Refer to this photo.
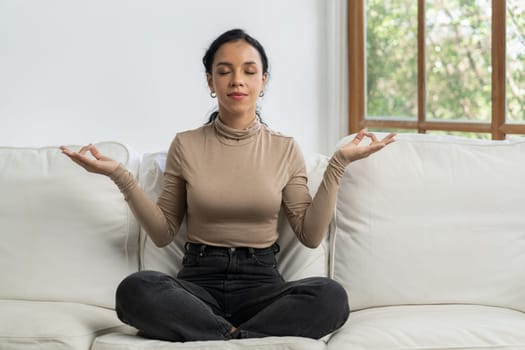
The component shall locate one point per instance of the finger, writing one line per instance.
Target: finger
(372, 136)
(100, 156)
(85, 161)
(77, 158)
(84, 149)
(94, 151)
(359, 137)
(389, 138)
(65, 150)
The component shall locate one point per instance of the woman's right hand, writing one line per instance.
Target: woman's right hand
(99, 165)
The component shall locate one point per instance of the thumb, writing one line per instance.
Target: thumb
(94, 151)
(99, 156)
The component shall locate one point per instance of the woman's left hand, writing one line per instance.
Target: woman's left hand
(352, 151)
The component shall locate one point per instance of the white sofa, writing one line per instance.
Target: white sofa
(428, 240)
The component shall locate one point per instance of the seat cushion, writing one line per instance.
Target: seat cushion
(295, 260)
(433, 220)
(34, 325)
(130, 342)
(66, 234)
(432, 327)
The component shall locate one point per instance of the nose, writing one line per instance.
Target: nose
(237, 80)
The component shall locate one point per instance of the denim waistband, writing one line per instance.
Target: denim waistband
(202, 249)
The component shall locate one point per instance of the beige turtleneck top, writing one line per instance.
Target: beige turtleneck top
(231, 185)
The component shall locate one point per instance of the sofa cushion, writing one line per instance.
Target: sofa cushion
(130, 342)
(433, 220)
(35, 325)
(66, 234)
(468, 327)
(295, 261)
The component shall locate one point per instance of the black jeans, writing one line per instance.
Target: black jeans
(218, 288)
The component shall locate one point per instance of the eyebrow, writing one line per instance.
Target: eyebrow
(231, 64)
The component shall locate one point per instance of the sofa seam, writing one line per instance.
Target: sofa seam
(463, 347)
(96, 333)
(281, 341)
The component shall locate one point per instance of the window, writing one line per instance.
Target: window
(453, 66)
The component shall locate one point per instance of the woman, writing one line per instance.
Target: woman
(230, 178)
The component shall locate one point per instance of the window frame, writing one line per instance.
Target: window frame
(357, 120)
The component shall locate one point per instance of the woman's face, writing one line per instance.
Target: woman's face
(237, 78)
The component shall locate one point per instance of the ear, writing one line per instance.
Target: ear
(264, 79)
(210, 81)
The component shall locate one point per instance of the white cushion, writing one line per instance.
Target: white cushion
(130, 342)
(167, 259)
(65, 234)
(33, 325)
(436, 327)
(433, 220)
(295, 261)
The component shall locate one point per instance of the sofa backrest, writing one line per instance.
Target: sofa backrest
(295, 260)
(433, 219)
(65, 234)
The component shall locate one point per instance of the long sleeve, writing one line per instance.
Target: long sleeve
(309, 217)
(161, 220)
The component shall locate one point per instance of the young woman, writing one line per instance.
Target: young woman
(230, 178)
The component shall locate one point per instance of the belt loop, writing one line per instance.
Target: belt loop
(202, 249)
(251, 251)
(186, 246)
(276, 248)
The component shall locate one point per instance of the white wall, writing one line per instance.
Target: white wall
(74, 72)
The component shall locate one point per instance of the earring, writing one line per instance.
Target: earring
(261, 94)
(213, 94)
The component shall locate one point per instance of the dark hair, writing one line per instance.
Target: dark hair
(228, 37)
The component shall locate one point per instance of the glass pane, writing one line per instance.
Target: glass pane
(458, 59)
(515, 61)
(391, 58)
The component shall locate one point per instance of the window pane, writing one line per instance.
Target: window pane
(391, 58)
(515, 61)
(458, 59)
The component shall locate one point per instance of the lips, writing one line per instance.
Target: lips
(237, 95)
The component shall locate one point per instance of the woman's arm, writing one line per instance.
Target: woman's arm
(309, 217)
(162, 219)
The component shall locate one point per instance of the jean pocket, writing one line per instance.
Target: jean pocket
(264, 260)
(190, 260)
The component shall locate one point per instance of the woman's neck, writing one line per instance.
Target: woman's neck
(239, 122)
